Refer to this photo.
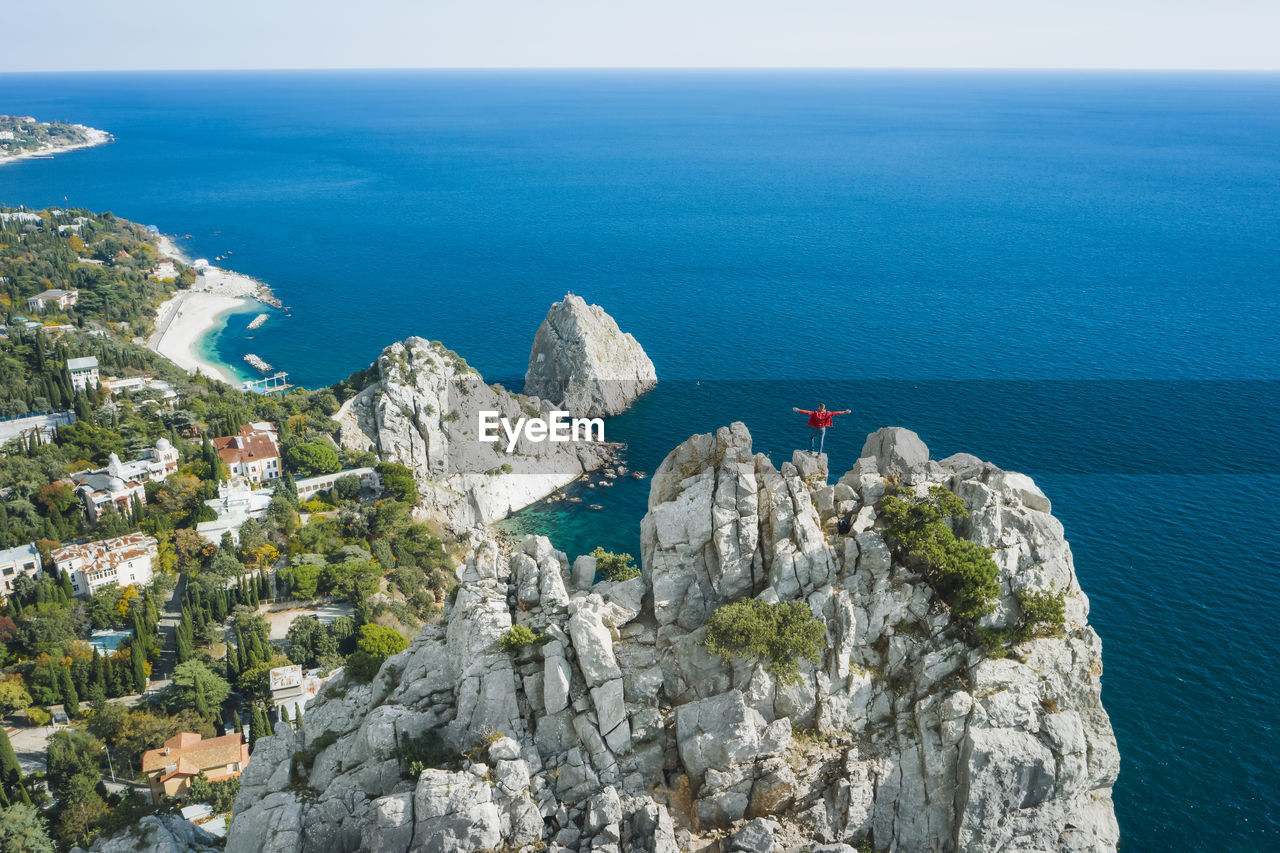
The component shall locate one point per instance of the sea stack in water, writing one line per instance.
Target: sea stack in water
(582, 362)
(620, 730)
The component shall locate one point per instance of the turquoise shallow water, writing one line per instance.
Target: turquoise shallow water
(1073, 275)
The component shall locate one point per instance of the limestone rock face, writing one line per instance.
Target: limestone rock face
(582, 362)
(619, 731)
(158, 834)
(423, 411)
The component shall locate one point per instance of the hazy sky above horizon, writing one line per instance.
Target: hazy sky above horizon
(78, 35)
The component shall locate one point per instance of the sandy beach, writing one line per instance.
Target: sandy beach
(182, 323)
(184, 320)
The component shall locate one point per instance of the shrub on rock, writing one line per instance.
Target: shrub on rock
(615, 567)
(517, 637)
(779, 634)
(376, 644)
(961, 572)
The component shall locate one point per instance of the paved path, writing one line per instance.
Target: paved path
(170, 616)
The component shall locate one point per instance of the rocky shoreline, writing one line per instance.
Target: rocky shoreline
(94, 137)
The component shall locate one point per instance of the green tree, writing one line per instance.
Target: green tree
(376, 644)
(312, 458)
(22, 830)
(13, 696)
(70, 698)
(138, 664)
(779, 634)
(195, 685)
(615, 567)
(71, 753)
(11, 788)
(960, 571)
(309, 642)
(399, 481)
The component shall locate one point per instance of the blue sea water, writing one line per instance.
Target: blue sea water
(1073, 275)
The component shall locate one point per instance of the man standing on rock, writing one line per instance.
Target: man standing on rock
(819, 420)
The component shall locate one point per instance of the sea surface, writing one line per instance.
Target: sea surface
(1072, 275)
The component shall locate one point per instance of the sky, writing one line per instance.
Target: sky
(82, 35)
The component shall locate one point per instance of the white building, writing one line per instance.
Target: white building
(84, 372)
(236, 503)
(309, 486)
(15, 562)
(123, 561)
(293, 688)
(164, 271)
(120, 483)
(253, 454)
(56, 298)
(114, 385)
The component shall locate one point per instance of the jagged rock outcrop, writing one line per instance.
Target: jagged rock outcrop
(582, 362)
(423, 411)
(158, 834)
(620, 731)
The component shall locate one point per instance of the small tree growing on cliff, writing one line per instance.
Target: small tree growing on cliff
(615, 567)
(961, 572)
(779, 634)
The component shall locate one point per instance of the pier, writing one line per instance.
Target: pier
(277, 382)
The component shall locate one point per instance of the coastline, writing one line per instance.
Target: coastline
(96, 138)
(188, 321)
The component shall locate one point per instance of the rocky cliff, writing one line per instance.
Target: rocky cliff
(582, 362)
(423, 411)
(621, 731)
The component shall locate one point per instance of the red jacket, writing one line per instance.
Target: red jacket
(821, 418)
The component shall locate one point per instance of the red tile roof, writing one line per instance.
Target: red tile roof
(189, 754)
(248, 446)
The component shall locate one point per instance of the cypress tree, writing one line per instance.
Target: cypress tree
(137, 658)
(257, 726)
(11, 773)
(70, 698)
(184, 638)
(202, 701)
(284, 714)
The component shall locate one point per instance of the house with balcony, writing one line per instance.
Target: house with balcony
(16, 562)
(253, 454)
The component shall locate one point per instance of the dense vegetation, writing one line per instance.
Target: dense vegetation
(780, 635)
(348, 545)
